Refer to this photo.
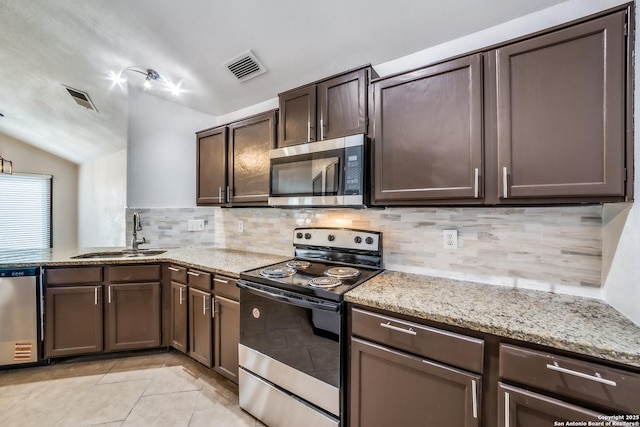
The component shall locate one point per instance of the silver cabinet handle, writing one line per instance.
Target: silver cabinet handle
(109, 294)
(476, 179)
(506, 409)
(213, 304)
(505, 183)
(215, 279)
(204, 305)
(95, 296)
(173, 269)
(180, 297)
(474, 397)
(191, 273)
(597, 377)
(388, 325)
(309, 131)
(321, 129)
(228, 194)
(219, 194)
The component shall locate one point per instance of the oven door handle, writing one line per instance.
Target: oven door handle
(297, 301)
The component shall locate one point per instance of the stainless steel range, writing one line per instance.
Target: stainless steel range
(292, 350)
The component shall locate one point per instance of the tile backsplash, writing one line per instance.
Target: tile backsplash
(549, 248)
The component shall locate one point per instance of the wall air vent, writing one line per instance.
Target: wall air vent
(81, 98)
(245, 66)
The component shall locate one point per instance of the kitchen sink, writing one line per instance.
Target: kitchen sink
(120, 254)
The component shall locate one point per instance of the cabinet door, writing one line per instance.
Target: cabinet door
(200, 327)
(73, 321)
(521, 408)
(342, 105)
(249, 144)
(560, 112)
(179, 315)
(297, 117)
(211, 167)
(227, 337)
(391, 388)
(133, 316)
(428, 134)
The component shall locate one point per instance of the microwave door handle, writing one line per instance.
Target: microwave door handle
(290, 300)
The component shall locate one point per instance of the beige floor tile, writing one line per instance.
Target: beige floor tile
(130, 375)
(211, 396)
(174, 379)
(105, 403)
(171, 410)
(222, 416)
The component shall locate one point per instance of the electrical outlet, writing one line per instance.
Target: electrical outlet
(240, 226)
(196, 225)
(450, 239)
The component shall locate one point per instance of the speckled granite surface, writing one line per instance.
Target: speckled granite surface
(565, 322)
(223, 261)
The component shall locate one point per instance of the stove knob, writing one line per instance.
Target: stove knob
(298, 235)
(368, 240)
(331, 237)
(358, 239)
(307, 236)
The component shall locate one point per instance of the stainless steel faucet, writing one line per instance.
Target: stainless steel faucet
(136, 227)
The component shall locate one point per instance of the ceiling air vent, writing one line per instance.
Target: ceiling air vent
(246, 66)
(81, 98)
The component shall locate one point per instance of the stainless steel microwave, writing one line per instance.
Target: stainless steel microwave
(323, 173)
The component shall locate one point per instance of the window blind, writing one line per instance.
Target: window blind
(25, 211)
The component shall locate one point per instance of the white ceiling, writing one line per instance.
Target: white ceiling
(45, 44)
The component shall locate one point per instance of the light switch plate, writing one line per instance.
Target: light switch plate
(196, 225)
(450, 239)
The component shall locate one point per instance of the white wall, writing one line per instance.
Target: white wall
(28, 159)
(162, 152)
(101, 205)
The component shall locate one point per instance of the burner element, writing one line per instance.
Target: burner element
(298, 264)
(342, 272)
(325, 282)
(277, 272)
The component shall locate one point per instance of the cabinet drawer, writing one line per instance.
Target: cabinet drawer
(448, 347)
(76, 275)
(226, 287)
(199, 280)
(134, 273)
(178, 274)
(591, 382)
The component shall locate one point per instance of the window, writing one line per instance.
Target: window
(25, 211)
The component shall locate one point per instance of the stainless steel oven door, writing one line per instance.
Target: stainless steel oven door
(292, 341)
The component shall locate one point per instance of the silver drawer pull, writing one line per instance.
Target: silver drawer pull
(173, 269)
(95, 296)
(474, 397)
(388, 325)
(476, 190)
(193, 274)
(597, 377)
(506, 409)
(215, 279)
(505, 183)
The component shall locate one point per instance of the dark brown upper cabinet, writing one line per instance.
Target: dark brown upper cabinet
(233, 162)
(211, 167)
(427, 134)
(327, 109)
(560, 114)
(249, 143)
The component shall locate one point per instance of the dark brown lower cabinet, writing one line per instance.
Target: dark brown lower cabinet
(200, 326)
(227, 336)
(393, 388)
(179, 316)
(522, 408)
(73, 320)
(132, 316)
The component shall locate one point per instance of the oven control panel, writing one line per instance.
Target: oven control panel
(338, 238)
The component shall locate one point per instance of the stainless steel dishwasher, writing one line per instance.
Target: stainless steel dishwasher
(19, 315)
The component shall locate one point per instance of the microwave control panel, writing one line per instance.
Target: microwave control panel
(354, 173)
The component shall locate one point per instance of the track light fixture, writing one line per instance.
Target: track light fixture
(151, 75)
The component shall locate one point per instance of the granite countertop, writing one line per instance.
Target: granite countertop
(581, 325)
(214, 260)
